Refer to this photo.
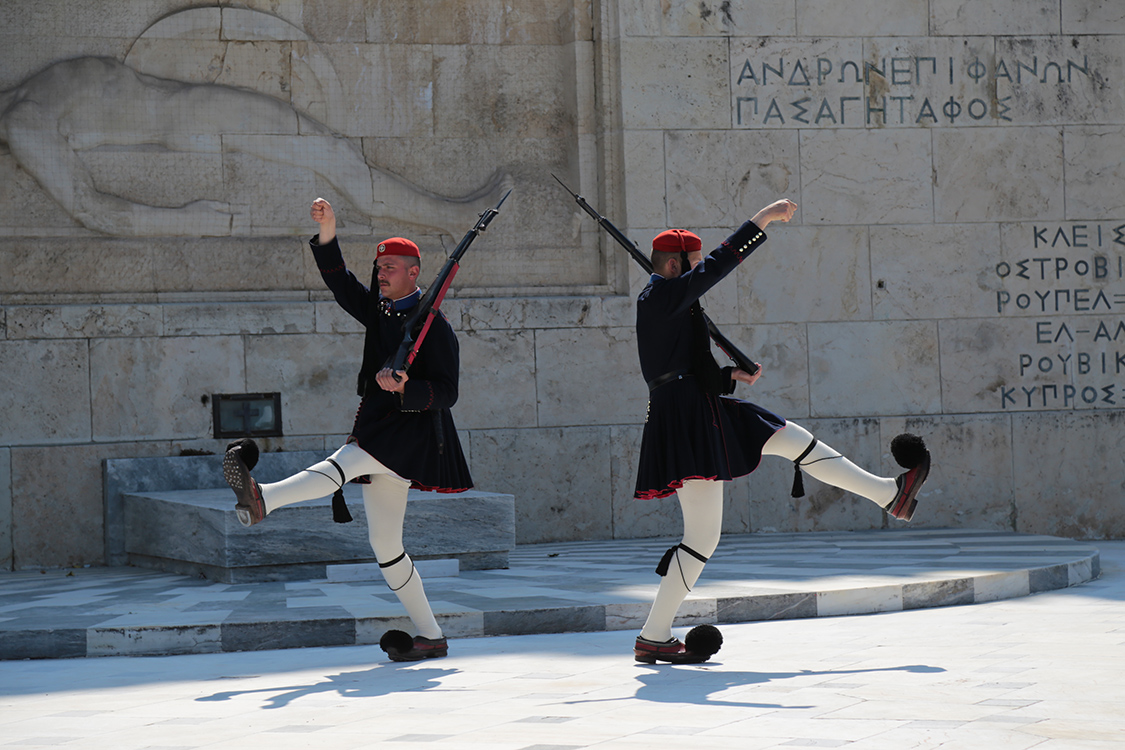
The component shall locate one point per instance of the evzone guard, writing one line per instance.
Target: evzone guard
(696, 437)
(403, 435)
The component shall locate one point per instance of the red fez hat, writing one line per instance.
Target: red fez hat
(398, 246)
(677, 241)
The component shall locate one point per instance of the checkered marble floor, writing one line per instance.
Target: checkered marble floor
(551, 588)
(1041, 671)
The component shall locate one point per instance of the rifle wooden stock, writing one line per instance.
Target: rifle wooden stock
(430, 303)
(740, 360)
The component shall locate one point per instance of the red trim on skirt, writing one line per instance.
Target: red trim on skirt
(670, 489)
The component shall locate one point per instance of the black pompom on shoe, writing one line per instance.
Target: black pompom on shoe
(396, 640)
(248, 450)
(909, 450)
(911, 454)
(701, 643)
(704, 640)
(401, 647)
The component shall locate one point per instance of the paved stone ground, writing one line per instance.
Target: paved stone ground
(1041, 671)
(555, 588)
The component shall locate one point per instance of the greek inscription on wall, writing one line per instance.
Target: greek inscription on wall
(922, 82)
(1069, 283)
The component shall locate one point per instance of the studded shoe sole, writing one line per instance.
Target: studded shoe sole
(249, 507)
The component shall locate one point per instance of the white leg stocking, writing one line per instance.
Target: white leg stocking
(322, 479)
(701, 502)
(384, 500)
(829, 466)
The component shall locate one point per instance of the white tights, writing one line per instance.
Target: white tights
(701, 503)
(828, 466)
(384, 501)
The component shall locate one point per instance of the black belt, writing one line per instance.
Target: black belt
(667, 377)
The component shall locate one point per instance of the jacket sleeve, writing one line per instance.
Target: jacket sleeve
(717, 265)
(437, 367)
(350, 293)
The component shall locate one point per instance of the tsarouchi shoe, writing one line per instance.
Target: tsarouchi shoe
(911, 454)
(702, 643)
(401, 647)
(250, 507)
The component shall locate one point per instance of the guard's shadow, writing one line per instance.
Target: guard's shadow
(383, 679)
(696, 683)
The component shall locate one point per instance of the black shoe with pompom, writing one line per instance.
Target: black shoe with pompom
(701, 643)
(240, 458)
(911, 454)
(401, 647)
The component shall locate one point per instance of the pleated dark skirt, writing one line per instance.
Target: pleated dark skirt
(691, 435)
(407, 444)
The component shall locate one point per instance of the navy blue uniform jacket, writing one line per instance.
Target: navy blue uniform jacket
(690, 433)
(413, 436)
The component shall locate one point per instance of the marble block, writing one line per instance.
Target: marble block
(694, 18)
(867, 176)
(831, 261)
(662, 83)
(153, 387)
(873, 368)
(645, 191)
(197, 531)
(973, 174)
(722, 177)
(1095, 185)
(5, 509)
(1060, 80)
(46, 395)
(82, 321)
(1092, 17)
(861, 18)
(994, 16)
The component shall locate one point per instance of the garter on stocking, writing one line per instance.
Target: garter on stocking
(701, 502)
(828, 466)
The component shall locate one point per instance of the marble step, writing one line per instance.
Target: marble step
(196, 532)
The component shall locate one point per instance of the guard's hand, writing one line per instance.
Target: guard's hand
(322, 213)
(781, 210)
(392, 380)
(744, 377)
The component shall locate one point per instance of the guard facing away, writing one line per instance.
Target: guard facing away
(403, 435)
(696, 436)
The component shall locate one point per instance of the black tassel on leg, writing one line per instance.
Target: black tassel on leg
(798, 481)
(665, 561)
(340, 513)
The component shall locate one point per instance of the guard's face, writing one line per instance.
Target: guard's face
(396, 278)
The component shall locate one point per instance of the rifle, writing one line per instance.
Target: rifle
(741, 361)
(428, 306)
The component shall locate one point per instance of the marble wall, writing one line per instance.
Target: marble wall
(955, 268)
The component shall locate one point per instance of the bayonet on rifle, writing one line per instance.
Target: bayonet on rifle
(741, 361)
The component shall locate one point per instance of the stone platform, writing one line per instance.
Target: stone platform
(177, 514)
(198, 533)
(548, 588)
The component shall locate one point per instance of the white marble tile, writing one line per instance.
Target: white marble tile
(859, 601)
